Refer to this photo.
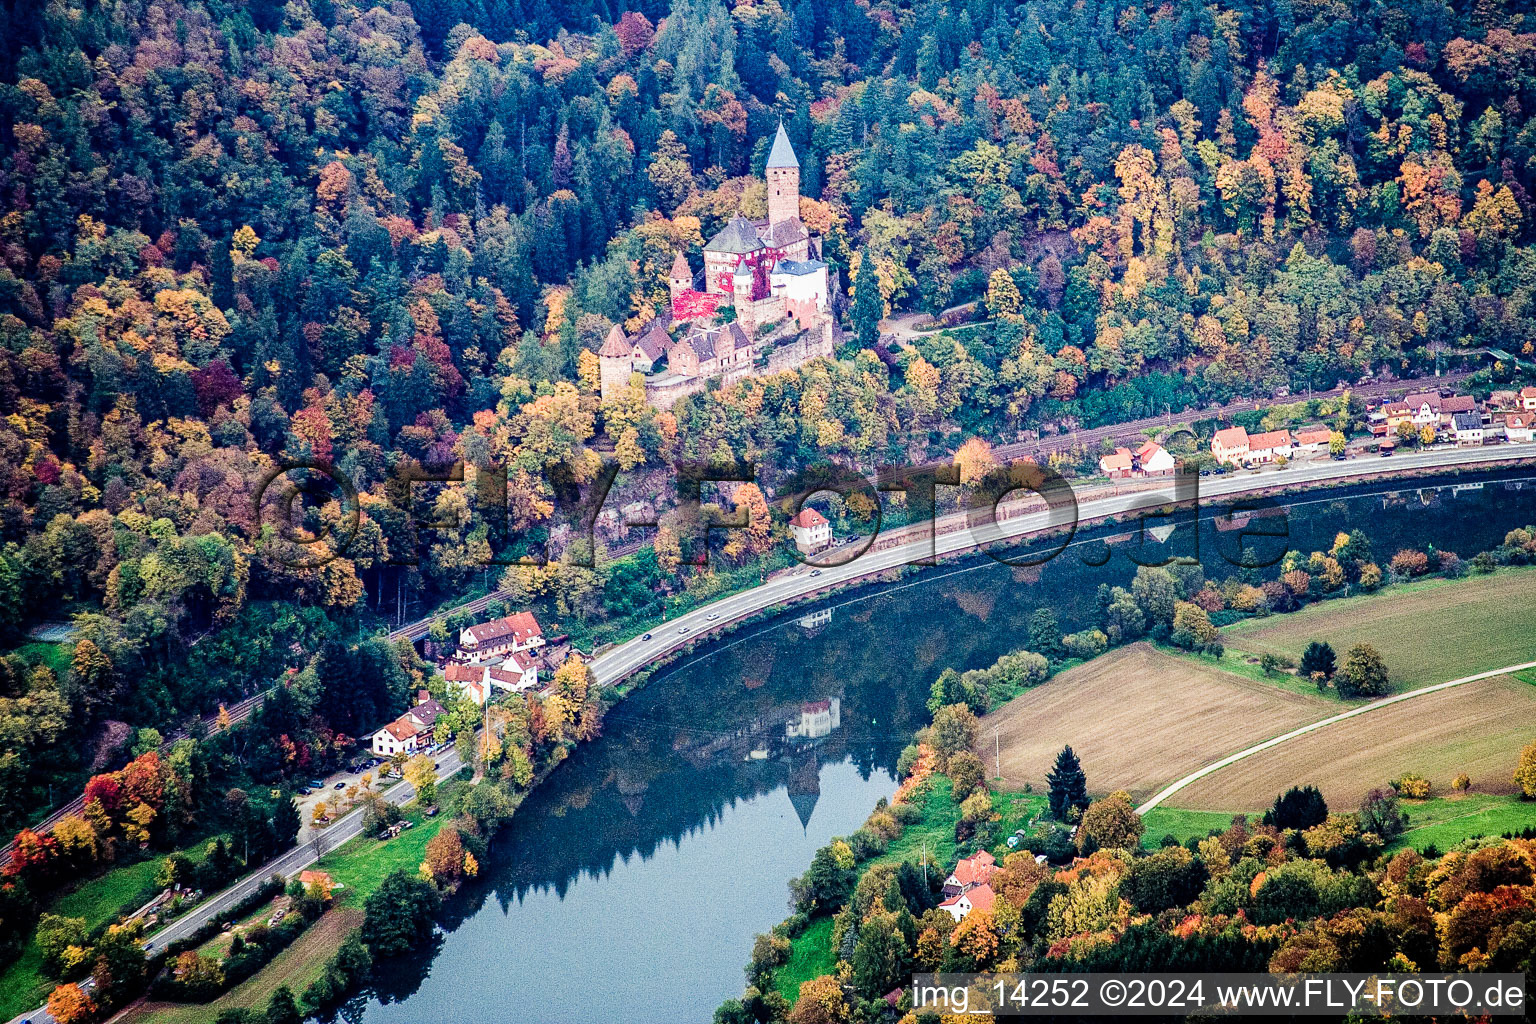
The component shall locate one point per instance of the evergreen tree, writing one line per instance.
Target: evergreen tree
(1318, 658)
(868, 308)
(1298, 807)
(1068, 785)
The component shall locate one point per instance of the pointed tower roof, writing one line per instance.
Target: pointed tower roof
(617, 345)
(680, 267)
(742, 270)
(782, 154)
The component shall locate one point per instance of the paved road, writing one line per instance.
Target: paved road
(615, 663)
(1092, 437)
(289, 864)
(1363, 709)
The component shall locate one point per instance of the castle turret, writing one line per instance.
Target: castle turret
(783, 174)
(681, 278)
(614, 364)
(741, 290)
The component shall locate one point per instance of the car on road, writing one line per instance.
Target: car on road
(434, 766)
(682, 629)
(646, 637)
(815, 572)
(713, 616)
(340, 785)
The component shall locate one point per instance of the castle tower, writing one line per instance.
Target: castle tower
(783, 174)
(741, 289)
(614, 364)
(681, 278)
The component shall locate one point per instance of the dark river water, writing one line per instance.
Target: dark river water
(629, 887)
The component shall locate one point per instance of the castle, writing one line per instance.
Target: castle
(765, 273)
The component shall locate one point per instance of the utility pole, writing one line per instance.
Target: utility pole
(997, 751)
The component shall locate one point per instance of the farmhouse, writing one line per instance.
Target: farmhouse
(520, 632)
(970, 872)
(811, 530)
(1117, 464)
(1230, 446)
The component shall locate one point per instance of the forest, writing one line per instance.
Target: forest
(384, 238)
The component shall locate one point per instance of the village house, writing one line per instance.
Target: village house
(979, 898)
(516, 673)
(1313, 439)
(1468, 428)
(1151, 459)
(970, 872)
(811, 530)
(1396, 412)
(1424, 407)
(520, 632)
(1528, 399)
(1230, 446)
(1117, 464)
(469, 679)
(1518, 427)
(1269, 446)
(410, 732)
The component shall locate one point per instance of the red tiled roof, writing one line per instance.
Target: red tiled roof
(1518, 420)
(1232, 437)
(463, 673)
(402, 729)
(1148, 450)
(1272, 439)
(975, 870)
(1528, 392)
(1459, 403)
(1430, 398)
(1315, 435)
(1119, 459)
(808, 518)
(982, 897)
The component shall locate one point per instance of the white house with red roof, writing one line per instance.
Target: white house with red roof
(520, 632)
(979, 897)
(469, 679)
(1117, 464)
(517, 672)
(1269, 446)
(818, 718)
(410, 732)
(811, 530)
(1520, 427)
(1528, 399)
(1152, 459)
(970, 872)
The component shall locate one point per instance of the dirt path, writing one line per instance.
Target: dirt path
(1397, 698)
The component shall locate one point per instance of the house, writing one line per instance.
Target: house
(1313, 439)
(980, 897)
(1117, 464)
(970, 872)
(400, 736)
(1468, 428)
(1395, 413)
(517, 672)
(1528, 399)
(520, 632)
(470, 679)
(1520, 427)
(818, 718)
(1153, 460)
(410, 732)
(1456, 404)
(317, 883)
(1269, 446)
(1230, 446)
(1424, 407)
(811, 530)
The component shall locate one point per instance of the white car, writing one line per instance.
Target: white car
(712, 616)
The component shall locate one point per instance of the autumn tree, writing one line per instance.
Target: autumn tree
(1363, 674)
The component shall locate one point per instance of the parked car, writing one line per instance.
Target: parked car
(340, 785)
(315, 784)
(305, 791)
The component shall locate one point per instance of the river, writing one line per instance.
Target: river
(629, 887)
